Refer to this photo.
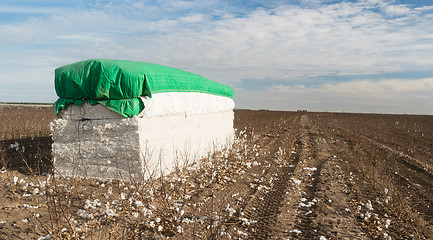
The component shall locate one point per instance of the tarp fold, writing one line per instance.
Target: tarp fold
(119, 84)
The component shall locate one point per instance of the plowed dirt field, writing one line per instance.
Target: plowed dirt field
(290, 175)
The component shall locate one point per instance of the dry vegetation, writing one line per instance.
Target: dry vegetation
(25, 137)
(19, 122)
(289, 175)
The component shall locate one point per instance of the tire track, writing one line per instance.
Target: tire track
(261, 212)
(249, 189)
(307, 209)
(322, 209)
(306, 226)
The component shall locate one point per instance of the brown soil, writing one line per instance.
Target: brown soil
(291, 175)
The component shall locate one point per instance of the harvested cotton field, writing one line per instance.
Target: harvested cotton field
(289, 175)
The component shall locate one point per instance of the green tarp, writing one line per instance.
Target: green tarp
(119, 84)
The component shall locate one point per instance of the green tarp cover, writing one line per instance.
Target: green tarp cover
(119, 84)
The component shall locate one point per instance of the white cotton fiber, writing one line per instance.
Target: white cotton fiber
(94, 142)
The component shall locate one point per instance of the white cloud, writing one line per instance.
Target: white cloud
(333, 38)
(288, 42)
(388, 96)
(397, 10)
(394, 87)
(194, 18)
(28, 10)
(424, 8)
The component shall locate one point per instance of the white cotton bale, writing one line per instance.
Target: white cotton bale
(174, 130)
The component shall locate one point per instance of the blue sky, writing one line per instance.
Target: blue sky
(320, 55)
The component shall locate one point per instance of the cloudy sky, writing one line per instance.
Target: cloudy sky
(319, 55)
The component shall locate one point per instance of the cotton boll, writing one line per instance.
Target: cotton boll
(369, 206)
(139, 203)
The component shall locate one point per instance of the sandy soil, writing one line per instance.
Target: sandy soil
(291, 175)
